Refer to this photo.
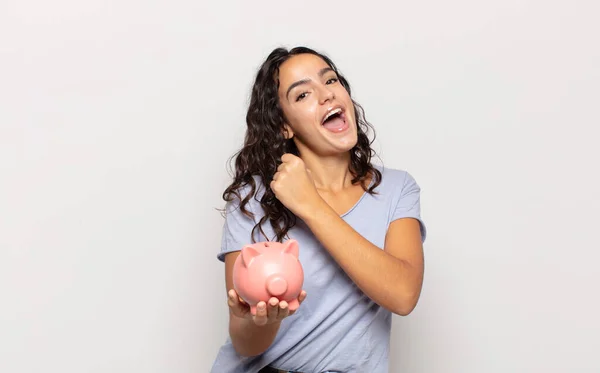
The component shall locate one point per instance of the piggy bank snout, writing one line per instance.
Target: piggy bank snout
(276, 285)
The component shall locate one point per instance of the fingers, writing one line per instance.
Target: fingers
(232, 298)
(289, 157)
(295, 304)
(288, 163)
(266, 312)
(283, 310)
(261, 314)
(237, 306)
(273, 310)
(280, 170)
(302, 296)
(275, 182)
(274, 186)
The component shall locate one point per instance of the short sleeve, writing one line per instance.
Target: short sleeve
(237, 228)
(409, 203)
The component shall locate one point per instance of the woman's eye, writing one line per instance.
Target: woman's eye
(301, 96)
(332, 80)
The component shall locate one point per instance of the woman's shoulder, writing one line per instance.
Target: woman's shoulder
(394, 177)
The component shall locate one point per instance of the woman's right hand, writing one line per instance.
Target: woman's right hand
(270, 313)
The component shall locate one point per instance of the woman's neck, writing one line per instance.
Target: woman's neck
(329, 173)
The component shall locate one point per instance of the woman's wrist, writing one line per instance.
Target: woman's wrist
(316, 210)
(250, 339)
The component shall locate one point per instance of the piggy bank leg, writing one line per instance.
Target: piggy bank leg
(293, 305)
(253, 310)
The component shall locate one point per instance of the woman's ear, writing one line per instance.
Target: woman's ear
(288, 133)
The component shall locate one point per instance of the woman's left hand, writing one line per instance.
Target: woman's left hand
(294, 186)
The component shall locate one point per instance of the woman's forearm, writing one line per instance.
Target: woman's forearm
(389, 281)
(250, 339)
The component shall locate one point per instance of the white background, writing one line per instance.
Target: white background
(117, 119)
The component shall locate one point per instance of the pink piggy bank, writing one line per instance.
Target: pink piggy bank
(269, 269)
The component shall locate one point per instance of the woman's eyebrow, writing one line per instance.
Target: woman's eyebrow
(294, 85)
(322, 72)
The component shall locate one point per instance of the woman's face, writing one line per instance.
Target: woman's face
(318, 109)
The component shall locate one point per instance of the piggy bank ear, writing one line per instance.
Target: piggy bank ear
(248, 253)
(291, 247)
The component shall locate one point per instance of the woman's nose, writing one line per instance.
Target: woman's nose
(326, 94)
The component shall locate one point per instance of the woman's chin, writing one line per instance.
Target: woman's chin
(346, 141)
(344, 144)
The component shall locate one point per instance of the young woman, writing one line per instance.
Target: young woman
(305, 173)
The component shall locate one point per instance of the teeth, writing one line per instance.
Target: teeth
(332, 112)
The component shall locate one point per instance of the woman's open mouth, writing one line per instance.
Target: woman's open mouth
(335, 121)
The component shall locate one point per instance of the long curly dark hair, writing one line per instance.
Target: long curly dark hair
(265, 144)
